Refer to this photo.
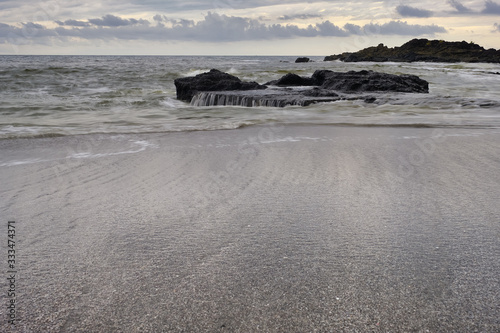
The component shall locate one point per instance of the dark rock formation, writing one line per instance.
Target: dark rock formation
(362, 81)
(291, 79)
(214, 80)
(369, 81)
(302, 59)
(217, 88)
(423, 50)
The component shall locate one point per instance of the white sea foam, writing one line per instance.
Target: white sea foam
(136, 146)
(21, 162)
(194, 72)
(96, 149)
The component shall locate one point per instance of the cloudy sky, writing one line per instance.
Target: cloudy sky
(233, 27)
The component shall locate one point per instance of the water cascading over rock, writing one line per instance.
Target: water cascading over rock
(269, 98)
(217, 88)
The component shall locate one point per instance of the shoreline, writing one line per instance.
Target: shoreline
(453, 125)
(263, 228)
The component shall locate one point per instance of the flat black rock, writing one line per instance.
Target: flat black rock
(214, 80)
(369, 81)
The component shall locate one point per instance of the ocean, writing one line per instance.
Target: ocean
(43, 96)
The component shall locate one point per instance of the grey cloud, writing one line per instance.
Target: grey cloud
(179, 6)
(458, 6)
(329, 29)
(74, 23)
(213, 28)
(8, 4)
(395, 28)
(353, 29)
(200, 5)
(299, 16)
(115, 21)
(407, 11)
(160, 19)
(491, 8)
(24, 34)
(105, 21)
(32, 26)
(403, 29)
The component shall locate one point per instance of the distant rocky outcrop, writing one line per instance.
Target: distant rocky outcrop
(302, 59)
(214, 80)
(422, 50)
(217, 88)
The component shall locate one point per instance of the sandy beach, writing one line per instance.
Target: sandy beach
(259, 229)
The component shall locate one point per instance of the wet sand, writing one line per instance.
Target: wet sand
(261, 229)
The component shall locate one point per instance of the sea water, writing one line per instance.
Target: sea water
(45, 96)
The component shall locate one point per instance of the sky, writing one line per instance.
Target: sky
(238, 27)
